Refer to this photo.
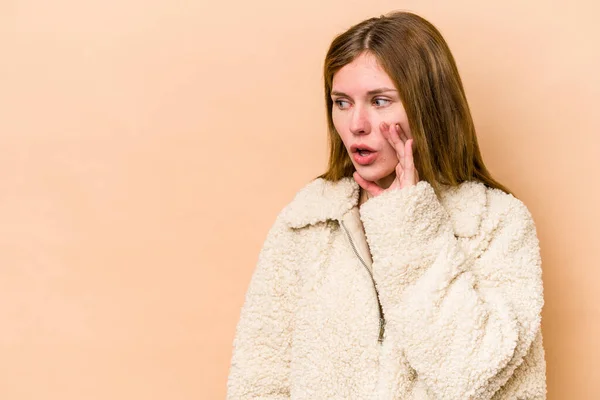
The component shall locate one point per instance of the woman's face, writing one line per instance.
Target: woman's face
(363, 97)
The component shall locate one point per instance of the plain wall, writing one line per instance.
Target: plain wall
(147, 146)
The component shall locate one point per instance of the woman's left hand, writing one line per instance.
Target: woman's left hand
(406, 173)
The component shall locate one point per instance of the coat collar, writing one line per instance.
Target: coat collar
(323, 200)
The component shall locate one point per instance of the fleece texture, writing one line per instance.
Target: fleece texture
(456, 277)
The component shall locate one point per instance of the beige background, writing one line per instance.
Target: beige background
(147, 146)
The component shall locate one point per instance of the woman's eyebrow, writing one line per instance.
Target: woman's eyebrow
(369, 93)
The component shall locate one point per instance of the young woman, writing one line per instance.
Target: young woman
(405, 271)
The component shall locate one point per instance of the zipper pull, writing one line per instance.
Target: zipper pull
(381, 329)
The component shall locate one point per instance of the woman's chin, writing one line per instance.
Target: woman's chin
(371, 176)
(375, 176)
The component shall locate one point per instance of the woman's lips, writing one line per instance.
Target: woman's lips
(357, 146)
(364, 157)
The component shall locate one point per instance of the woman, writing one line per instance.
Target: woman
(405, 271)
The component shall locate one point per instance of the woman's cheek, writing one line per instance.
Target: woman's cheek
(337, 124)
(405, 127)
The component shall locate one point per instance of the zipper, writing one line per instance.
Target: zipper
(381, 319)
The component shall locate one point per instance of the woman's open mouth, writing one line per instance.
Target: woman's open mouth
(364, 156)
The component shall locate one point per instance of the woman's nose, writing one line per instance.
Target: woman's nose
(360, 124)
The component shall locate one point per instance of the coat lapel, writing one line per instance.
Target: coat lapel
(322, 200)
(353, 223)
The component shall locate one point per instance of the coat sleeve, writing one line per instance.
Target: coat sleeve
(261, 347)
(463, 323)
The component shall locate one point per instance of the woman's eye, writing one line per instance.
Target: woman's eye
(386, 102)
(339, 103)
(343, 104)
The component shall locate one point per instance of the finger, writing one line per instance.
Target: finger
(371, 187)
(384, 127)
(401, 133)
(400, 170)
(409, 164)
(392, 136)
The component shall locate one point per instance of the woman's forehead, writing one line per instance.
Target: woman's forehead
(362, 75)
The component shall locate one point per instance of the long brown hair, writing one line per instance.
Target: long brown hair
(417, 58)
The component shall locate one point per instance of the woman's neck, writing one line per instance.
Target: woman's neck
(382, 183)
(363, 196)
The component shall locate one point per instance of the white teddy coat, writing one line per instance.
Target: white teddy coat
(456, 280)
